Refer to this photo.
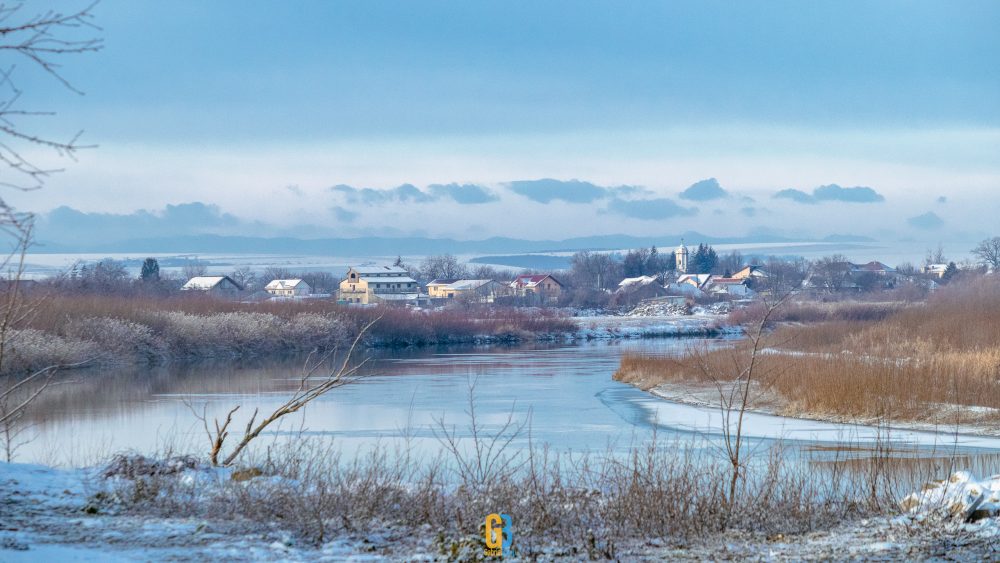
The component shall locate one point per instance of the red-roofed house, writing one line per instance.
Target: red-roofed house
(542, 285)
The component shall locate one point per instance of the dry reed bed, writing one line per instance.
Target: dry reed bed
(588, 505)
(66, 329)
(921, 363)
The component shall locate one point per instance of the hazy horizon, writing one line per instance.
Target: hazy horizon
(534, 121)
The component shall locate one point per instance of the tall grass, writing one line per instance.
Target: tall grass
(71, 328)
(589, 505)
(939, 362)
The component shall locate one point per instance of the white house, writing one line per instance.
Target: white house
(692, 285)
(731, 287)
(288, 288)
(936, 269)
(212, 284)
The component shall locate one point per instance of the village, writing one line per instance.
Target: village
(660, 283)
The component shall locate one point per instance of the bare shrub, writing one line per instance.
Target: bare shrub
(30, 349)
(117, 339)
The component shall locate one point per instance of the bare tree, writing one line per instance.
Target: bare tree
(194, 268)
(44, 39)
(935, 256)
(445, 266)
(245, 276)
(988, 252)
(737, 386)
(832, 273)
(306, 393)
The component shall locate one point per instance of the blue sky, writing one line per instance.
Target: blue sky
(230, 103)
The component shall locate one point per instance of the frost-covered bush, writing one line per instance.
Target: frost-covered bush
(29, 349)
(309, 330)
(119, 339)
(222, 333)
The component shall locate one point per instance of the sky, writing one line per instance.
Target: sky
(530, 119)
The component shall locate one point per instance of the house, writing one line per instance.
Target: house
(873, 274)
(633, 290)
(730, 287)
(484, 291)
(288, 288)
(691, 285)
(755, 273)
(438, 288)
(380, 284)
(874, 267)
(223, 285)
(544, 286)
(936, 270)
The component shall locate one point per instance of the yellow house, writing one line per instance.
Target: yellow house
(379, 284)
(440, 288)
(478, 290)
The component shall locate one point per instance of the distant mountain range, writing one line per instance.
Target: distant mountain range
(388, 246)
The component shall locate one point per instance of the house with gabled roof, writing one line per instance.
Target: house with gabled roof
(484, 291)
(438, 288)
(544, 286)
(288, 288)
(752, 272)
(223, 285)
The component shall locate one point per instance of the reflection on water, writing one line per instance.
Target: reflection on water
(566, 390)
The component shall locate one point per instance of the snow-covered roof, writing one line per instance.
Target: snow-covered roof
(638, 281)
(873, 266)
(380, 271)
(285, 284)
(531, 280)
(460, 285)
(207, 282)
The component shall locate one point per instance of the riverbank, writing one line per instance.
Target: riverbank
(762, 421)
(52, 514)
(103, 331)
(928, 367)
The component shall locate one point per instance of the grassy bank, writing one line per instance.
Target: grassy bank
(595, 506)
(67, 329)
(937, 363)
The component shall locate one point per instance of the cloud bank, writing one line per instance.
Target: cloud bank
(548, 190)
(832, 192)
(705, 190)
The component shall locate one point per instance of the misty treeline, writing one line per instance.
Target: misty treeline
(591, 277)
(110, 276)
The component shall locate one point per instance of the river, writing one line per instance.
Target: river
(564, 392)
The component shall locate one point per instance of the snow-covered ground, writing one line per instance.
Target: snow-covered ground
(696, 409)
(44, 516)
(607, 327)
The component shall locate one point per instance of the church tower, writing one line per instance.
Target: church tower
(681, 257)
